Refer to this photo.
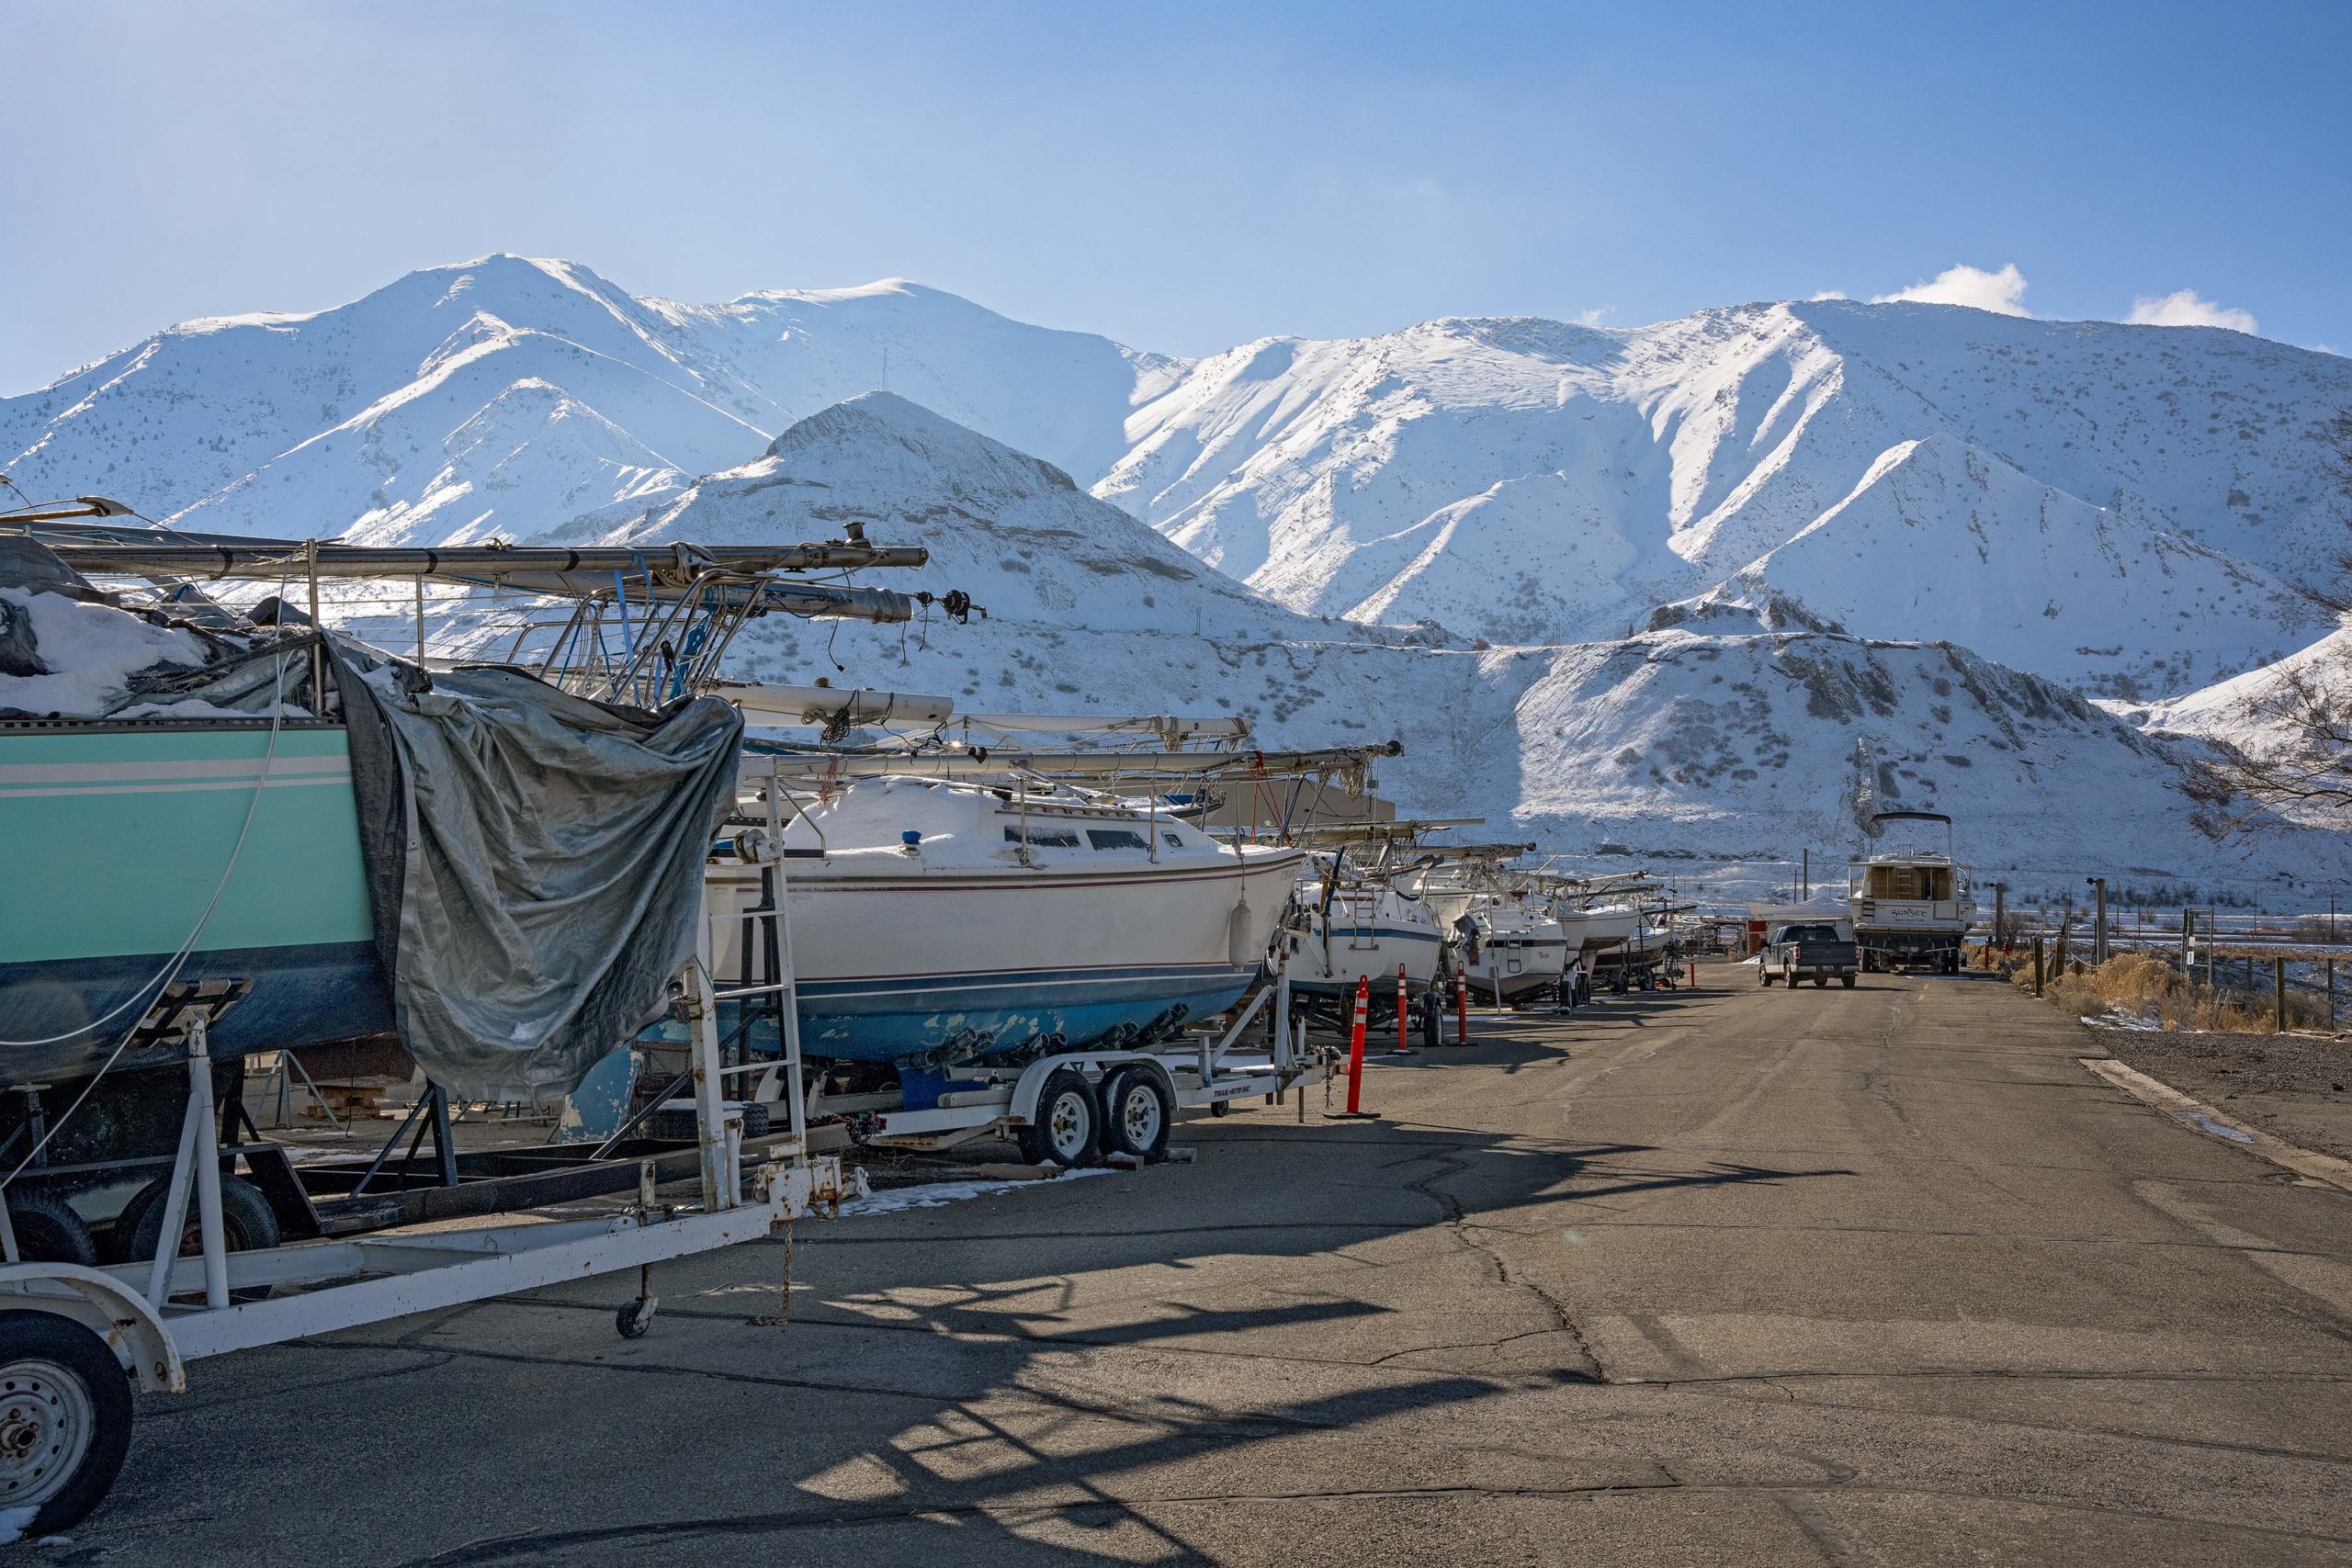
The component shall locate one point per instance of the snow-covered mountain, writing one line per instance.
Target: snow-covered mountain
(1713, 747)
(503, 396)
(2132, 508)
(1015, 530)
(1677, 538)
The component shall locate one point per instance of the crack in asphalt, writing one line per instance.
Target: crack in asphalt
(1457, 1219)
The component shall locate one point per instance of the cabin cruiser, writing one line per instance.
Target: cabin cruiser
(1910, 903)
(931, 922)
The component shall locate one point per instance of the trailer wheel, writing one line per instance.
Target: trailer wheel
(49, 1231)
(1846, 981)
(1136, 1116)
(1068, 1129)
(634, 1318)
(247, 1224)
(64, 1420)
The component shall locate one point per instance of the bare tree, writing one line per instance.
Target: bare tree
(2297, 758)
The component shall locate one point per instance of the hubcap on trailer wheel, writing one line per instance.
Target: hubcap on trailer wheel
(1068, 1125)
(47, 1421)
(1139, 1116)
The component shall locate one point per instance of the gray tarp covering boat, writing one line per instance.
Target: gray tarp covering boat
(533, 859)
(535, 863)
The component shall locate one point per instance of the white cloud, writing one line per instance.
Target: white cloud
(1594, 317)
(2187, 308)
(2002, 292)
(1830, 293)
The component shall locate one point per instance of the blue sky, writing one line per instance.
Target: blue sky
(1180, 176)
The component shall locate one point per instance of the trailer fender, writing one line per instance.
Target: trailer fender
(1098, 1066)
(109, 1308)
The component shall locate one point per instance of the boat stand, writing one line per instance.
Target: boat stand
(431, 1111)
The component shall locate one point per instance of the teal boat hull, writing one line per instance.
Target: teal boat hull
(119, 841)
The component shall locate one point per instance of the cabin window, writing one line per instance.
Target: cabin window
(1044, 837)
(1172, 840)
(1118, 839)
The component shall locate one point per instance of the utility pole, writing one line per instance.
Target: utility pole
(2001, 915)
(1804, 882)
(2098, 919)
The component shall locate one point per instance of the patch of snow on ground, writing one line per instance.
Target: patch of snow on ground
(2114, 1018)
(936, 1194)
(2206, 1124)
(14, 1522)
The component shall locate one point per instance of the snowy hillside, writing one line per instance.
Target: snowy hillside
(1014, 530)
(505, 395)
(1711, 750)
(2130, 507)
(1683, 541)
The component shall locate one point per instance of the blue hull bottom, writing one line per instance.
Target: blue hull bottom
(935, 1020)
(301, 996)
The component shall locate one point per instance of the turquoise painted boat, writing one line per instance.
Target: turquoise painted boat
(116, 836)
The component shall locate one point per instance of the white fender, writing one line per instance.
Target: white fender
(108, 1307)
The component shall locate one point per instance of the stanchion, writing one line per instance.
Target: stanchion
(1403, 1045)
(1694, 974)
(1461, 1012)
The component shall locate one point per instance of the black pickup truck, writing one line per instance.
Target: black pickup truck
(1814, 951)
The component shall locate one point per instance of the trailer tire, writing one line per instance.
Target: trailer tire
(49, 1231)
(247, 1222)
(1067, 1128)
(64, 1419)
(1846, 981)
(1137, 1114)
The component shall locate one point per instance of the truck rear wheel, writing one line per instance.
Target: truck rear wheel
(1846, 981)
(1820, 982)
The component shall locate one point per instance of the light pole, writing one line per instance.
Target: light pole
(2098, 920)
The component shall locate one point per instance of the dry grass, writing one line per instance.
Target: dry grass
(2139, 984)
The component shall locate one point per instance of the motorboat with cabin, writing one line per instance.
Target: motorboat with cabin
(943, 902)
(1909, 902)
(934, 921)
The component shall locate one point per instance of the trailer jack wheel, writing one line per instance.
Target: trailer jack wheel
(634, 1317)
(64, 1420)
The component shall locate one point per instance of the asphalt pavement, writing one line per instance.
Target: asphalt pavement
(1732, 1276)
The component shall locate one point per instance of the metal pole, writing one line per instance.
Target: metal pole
(1281, 1028)
(2279, 991)
(2037, 963)
(710, 1110)
(198, 1165)
(787, 976)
